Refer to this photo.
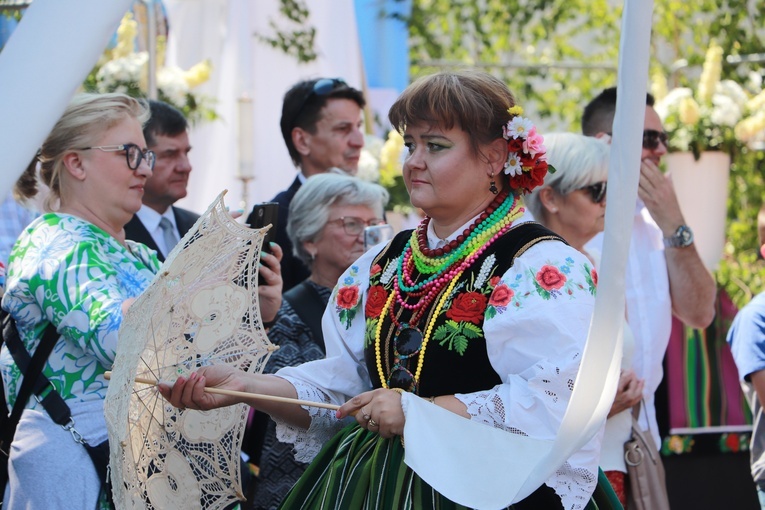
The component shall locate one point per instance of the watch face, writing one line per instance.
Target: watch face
(684, 236)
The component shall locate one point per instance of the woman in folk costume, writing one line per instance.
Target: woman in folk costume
(477, 311)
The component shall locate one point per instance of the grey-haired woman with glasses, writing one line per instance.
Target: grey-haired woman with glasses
(572, 203)
(326, 226)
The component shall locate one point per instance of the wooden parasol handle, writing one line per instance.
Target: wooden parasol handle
(244, 394)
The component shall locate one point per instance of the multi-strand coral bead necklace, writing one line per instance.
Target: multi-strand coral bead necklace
(441, 267)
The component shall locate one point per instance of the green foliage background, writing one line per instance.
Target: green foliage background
(557, 54)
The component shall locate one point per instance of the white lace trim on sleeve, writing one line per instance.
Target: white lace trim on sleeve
(324, 424)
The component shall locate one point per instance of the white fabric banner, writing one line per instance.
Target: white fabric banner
(437, 441)
(47, 57)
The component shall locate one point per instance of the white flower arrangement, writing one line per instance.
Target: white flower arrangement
(719, 116)
(369, 160)
(124, 70)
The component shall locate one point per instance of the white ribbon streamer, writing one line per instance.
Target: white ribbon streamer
(498, 469)
(47, 57)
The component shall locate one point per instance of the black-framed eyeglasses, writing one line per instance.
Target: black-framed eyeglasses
(652, 137)
(133, 154)
(322, 87)
(407, 343)
(354, 226)
(596, 191)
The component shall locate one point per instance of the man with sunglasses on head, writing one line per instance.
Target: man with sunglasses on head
(322, 127)
(664, 274)
(159, 224)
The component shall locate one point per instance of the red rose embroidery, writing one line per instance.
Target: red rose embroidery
(501, 296)
(494, 281)
(549, 278)
(467, 307)
(347, 297)
(594, 275)
(376, 300)
(375, 269)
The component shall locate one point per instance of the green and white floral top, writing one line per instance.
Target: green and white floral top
(66, 271)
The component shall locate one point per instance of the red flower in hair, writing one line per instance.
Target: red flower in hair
(524, 142)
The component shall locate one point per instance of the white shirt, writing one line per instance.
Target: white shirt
(649, 307)
(151, 218)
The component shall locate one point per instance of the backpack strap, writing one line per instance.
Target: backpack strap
(308, 305)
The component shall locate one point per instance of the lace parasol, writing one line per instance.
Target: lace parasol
(202, 309)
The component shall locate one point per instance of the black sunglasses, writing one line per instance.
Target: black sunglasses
(651, 139)
(596, 191)
(322, 87)
(133, 154)
(407, 343)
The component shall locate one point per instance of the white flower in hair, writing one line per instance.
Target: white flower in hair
(519, 127)
(513, 164)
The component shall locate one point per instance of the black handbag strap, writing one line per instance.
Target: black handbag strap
(34, 381)
(308, 305)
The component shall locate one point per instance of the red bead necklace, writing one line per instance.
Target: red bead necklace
(422, 230)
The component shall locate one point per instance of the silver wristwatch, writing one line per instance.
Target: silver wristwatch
(682, 238)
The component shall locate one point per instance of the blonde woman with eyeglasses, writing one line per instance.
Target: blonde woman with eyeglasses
(73, 272)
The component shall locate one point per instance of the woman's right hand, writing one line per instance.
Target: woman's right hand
(628, 393)
(189, 392)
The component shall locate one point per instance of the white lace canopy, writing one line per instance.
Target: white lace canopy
(202, 309)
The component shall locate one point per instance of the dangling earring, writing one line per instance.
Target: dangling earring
(493, 186)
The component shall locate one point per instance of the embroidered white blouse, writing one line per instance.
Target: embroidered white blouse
(534, 344)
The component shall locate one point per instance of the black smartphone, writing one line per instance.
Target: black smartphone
(266, 213)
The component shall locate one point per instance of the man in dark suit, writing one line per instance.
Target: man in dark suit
(159, 224)
(322, 126)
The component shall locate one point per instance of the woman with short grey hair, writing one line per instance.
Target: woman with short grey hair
(326, 225)
(582, 164)
(314, 203)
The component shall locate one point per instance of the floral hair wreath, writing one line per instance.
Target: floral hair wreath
(527, 160)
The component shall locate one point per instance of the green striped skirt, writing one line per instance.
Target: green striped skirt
(359, 470)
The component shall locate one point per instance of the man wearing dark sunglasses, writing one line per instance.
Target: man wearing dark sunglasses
(321, 125)
(159, 224)
(664, 274)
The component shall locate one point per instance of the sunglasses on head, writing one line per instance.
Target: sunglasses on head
(322, 87)
(596, 191)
